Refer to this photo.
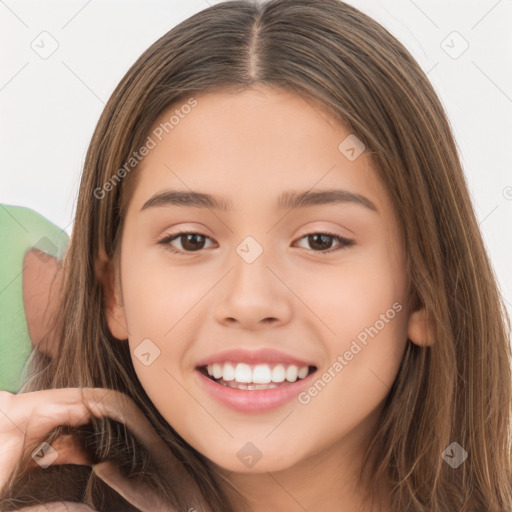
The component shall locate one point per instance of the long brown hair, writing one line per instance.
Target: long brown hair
(457, 390)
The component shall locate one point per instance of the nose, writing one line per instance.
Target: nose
(253, 297)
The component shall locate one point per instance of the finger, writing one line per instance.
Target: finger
(135, 492)
(37, 413)
(47, 417)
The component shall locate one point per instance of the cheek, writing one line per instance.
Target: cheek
(362, 303)
(352, 295)
(162, 304)
(365, 309)
(159, 305)
(157, 294)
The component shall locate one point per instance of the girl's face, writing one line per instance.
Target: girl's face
(277, 271)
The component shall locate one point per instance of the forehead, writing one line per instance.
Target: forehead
(250, 147)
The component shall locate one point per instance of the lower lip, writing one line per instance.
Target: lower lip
(255, 401)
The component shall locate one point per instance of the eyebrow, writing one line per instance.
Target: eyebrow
(286, 201)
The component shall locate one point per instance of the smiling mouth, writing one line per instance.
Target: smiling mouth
(257, 377)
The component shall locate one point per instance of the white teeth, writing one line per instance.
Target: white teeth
(291, 373)
(243, 373)
(217, 371)
(261, 374)
(229, 372)
(303, 372)
(279, 373)
(258, 374)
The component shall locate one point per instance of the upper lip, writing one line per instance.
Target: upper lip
(259, 356)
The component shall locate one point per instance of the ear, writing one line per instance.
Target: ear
(420, 328)
(109, 275)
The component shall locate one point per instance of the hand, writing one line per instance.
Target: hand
(33, 415)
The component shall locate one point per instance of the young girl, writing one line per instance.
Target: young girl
(276, 295)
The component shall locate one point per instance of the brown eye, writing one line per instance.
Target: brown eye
(323, 242)
(190, 242)
(320, 241)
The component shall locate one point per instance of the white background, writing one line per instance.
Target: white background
(49, 107)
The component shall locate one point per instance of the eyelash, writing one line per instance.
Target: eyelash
(168, 239)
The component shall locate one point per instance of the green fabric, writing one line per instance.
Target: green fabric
(21, 229)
